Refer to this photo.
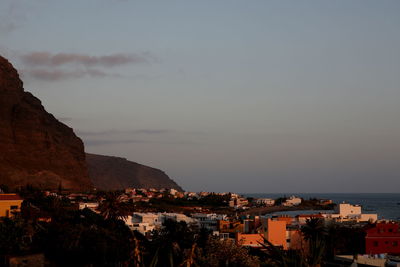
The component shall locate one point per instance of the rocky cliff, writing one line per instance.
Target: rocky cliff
(111, 173)
(35, 148)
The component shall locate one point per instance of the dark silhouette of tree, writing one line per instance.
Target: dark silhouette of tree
(315, 233)
(112, 208)
(277, 257)
(226, 253)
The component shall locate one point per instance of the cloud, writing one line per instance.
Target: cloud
(101, 142)
(48, 66)
(151, 131)
(111, 142)
(60, 59)
(65, 119)
(112, 137)
(56, 75)
(116, 132)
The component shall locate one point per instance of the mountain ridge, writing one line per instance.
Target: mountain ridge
(115, 173)
(35, 147)
(39, 150)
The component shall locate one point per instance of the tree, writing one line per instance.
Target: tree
(226, 253)
(315, 233)
(112, 208)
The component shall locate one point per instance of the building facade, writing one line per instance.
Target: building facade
(383, 237)
(9, 204)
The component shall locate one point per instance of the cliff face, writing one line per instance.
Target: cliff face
(35, 148)
(112, 173)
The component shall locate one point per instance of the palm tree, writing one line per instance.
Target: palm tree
(112, 208)
(276, 256)
(190, 257)
(315, 233)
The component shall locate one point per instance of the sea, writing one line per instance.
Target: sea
(386, 205)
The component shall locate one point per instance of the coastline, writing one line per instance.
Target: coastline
(272, 209)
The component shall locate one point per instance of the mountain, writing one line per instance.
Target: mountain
(112, 173)
(35, 148)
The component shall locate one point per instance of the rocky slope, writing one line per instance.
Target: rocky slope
(35, 148)
(111, 173)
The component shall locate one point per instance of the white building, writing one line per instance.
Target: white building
(292, 201)
(265, 201)
(209, 221)
(238, 202)
(345, 209)
(178, 217)
(348, 212)
(147, 222)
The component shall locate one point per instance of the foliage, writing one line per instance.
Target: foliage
(86, 238)
(226, 253)
(112, 208)
(14, 236)
(73, 237)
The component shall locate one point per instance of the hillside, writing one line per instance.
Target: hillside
(35, 148)
(111, 173)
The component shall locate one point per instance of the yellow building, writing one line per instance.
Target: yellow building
(9, 203)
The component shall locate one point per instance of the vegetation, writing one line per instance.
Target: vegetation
(71, 237)
(322, 242)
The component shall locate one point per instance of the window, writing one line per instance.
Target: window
(13, 207)
(376, 243)
(395, 243)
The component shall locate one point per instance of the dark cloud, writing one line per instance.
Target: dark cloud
(54, 60)
(56, 75)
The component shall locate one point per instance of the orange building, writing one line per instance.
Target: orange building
(285, 218)
(230, 227)
(275, 232)
(9, 203)
(249, 240)
(295, 238)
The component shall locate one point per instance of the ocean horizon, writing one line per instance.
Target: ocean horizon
(386, 205)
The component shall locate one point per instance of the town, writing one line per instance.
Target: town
(135, 222)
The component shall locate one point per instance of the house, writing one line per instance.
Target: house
(209, 221)
(147, 222)
(264, 201)
(303, 218)
(178, 217)
(382, 237)
(249, 240)
(348, 212)
(292, 201)
(345, 209)
(275, 231)
(238, 202)
(9, 204)
(143, 222)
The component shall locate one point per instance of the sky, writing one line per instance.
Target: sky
(241, 96)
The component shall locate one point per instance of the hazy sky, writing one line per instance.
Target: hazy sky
(244, 96)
